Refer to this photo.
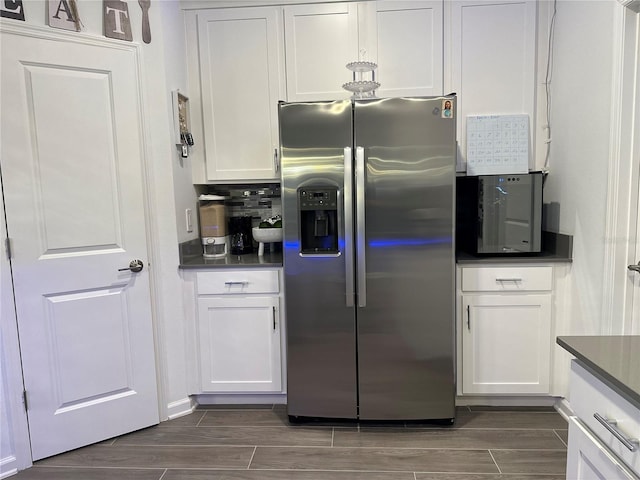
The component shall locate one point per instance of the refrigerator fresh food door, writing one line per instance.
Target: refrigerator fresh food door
(316, 141)
(406, 320)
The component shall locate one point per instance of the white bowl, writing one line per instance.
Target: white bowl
(267, 235)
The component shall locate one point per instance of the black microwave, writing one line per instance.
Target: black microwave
(499, 214)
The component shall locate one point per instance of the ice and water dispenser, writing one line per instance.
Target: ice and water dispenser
(318, 220)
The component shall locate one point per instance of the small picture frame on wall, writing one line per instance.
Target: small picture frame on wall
(181, 127)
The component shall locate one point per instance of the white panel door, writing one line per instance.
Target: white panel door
(72, 173)
(320, 40)
(634, 321)
(405, 39)
(506, 344)
(242, 78)
(239, 344)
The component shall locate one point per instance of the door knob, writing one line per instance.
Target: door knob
(134, 266)
(634, 268)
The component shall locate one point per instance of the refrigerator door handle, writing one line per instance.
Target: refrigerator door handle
(360, 229)
(348, 226)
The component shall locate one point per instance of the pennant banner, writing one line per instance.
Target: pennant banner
(117, 23)
(12, 9)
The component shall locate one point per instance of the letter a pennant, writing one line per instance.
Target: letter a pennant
(63, 14)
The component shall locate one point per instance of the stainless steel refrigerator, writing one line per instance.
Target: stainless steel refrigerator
(368, 217)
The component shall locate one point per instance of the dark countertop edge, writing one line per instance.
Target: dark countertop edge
(557, 247)
(608, 379)
(222, 263)
(191, 258)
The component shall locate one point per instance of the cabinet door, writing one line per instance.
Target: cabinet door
(506, 344)
(491, 60)
(405, 39)
(320, 40)
(239, 344)
(241, 73)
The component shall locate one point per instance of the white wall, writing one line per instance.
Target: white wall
(176, 75)
(580, 121)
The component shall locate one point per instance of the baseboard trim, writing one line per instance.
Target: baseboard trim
(240, 399)
(7, 466)
(506, 401)
(180, 408)
(564, 409)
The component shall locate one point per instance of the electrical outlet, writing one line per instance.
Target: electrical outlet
(188, 220)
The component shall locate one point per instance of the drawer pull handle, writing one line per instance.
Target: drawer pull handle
(632, 444)
(244, 282)
(515, 280)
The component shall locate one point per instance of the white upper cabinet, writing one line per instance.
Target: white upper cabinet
(241, 78)
(403, 37)
(491, 60)
(484, 51)
(320, 39)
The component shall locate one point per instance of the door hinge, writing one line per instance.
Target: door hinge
(24, 400)
(7, 246)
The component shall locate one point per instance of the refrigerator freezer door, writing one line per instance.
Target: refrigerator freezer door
(321, 343)
(406, 328)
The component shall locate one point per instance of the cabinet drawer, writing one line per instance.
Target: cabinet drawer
(494, 279)
(589, 396)
(240, 281)
(587, 457)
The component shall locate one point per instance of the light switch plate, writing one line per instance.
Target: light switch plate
(188, 220)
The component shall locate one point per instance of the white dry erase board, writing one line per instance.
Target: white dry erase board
(497, 144)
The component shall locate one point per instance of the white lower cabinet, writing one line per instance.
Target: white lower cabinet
(238, 332)
(589, 459)
(504, 326)
(239, 344)
(604, 432)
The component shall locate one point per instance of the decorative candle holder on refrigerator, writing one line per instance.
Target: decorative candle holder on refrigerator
(360, 87)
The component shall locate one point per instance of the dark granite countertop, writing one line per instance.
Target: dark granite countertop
(613, 359)
(556, 248)
(249, 260)
(191, 258)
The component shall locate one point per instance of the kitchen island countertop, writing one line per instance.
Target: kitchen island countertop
(613, 359)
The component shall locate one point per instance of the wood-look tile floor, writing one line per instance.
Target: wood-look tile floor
(258, 443)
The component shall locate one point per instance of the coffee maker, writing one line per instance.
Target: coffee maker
(241, 238)
(213, 226)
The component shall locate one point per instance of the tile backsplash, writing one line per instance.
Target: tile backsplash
(256, 200)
